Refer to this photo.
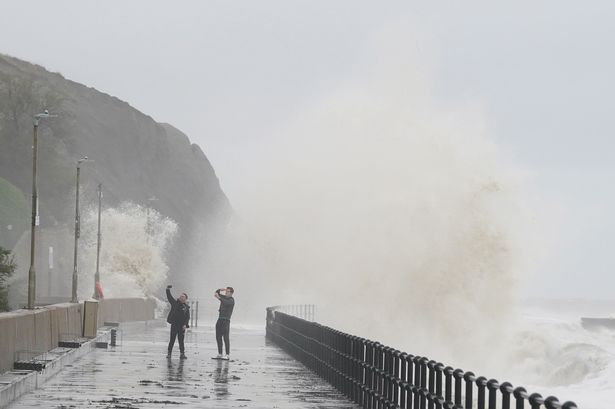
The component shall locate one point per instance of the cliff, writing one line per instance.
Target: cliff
(135, 157)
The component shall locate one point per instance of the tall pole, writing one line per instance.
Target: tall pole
(74, 292)
(32, 272)
(50, 271)
(97, 274)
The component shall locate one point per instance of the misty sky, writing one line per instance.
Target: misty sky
(229, 74)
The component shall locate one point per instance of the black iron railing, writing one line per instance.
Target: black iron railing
(304, 311)
(376, 376)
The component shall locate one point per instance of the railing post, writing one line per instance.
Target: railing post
(493, 387)
(196, 319)
(423, 383)
(552, 403)
(416, 395)
(535, 400)
(520, 395)
(192, 315)
(448, 384)
(439, 371)
(506, 388)
(431, 365)
(458, 375)
(481, 384)
(469, 378)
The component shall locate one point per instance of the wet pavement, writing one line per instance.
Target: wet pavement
(137, 374)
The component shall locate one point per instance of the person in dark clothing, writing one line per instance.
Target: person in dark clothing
(223, 325)
(178, 317)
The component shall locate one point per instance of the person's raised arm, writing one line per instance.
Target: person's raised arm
(169, 296)
(217, 293)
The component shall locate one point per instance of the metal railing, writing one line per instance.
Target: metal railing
(376, 376)
(304, 311)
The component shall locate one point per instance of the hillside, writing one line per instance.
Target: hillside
(135, 157)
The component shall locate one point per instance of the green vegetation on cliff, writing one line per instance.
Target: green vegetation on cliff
(7, 267)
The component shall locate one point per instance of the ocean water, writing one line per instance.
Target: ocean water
(557, 356)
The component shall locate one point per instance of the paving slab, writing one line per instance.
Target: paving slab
(137, 374)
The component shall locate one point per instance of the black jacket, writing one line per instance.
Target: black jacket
(226, 307)
(180, 313)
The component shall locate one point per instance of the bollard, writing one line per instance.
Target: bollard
(113, 336)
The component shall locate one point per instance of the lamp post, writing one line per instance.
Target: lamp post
(97, 292)
(32, 272)
(77, 229)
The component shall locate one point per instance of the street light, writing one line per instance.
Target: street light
(32, 272)
(77, 228)
(97, 286)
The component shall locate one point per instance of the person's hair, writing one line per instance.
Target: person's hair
(185, 295)
(231, 289)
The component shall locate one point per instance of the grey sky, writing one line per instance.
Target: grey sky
(229, 73)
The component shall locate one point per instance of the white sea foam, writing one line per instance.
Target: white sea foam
(554, 355)
(132, 259)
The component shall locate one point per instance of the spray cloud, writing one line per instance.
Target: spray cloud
(132, 258)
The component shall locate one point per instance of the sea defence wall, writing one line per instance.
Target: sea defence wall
(24, 333)
(125, 309)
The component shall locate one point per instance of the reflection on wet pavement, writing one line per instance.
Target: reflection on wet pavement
(137, 374)
(221, 379)
(175, 370)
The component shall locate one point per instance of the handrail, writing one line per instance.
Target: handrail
(376, 376)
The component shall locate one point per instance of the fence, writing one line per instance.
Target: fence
(376, 376)
(304, 311)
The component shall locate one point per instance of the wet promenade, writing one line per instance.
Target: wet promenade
(137, 374)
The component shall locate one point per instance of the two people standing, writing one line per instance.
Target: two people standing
(179, 318)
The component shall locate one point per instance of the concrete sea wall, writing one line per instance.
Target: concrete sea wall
(24, 333)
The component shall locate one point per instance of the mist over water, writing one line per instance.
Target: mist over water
(135, 240)
(391, 213)
(399, 219)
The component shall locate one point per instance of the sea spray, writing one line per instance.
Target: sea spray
(135, 240)
(391, 213)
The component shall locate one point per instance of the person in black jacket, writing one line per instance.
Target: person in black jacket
(178, 317)
(223, 325)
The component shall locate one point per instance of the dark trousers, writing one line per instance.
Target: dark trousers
(177, 331)
(222, 332)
